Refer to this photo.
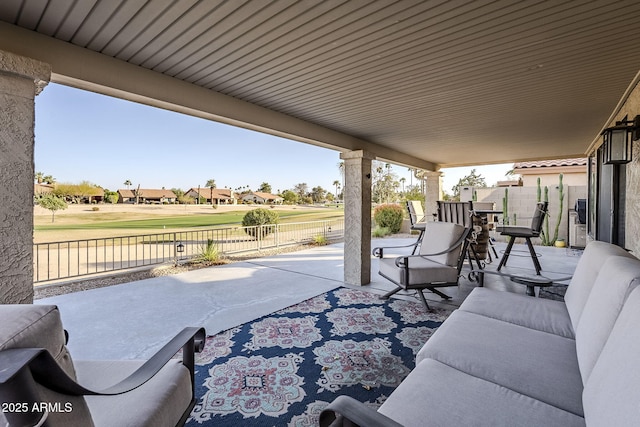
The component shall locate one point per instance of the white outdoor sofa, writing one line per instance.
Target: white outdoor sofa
(505, 359)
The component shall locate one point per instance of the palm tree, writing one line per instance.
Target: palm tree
(128, 183)
(39, 177)
(342, 173)
(402, 181)
(211, 184)
(336, 183)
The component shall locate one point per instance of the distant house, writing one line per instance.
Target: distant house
(220, 196)
(574, 172)
(262, 198)
(39, 189)
(147, 195)
(72, 193)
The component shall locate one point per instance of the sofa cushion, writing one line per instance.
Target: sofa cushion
(617, 278)
(159, 402)
(535, 313)
(612, 392)
(435, 394)
(537, 364)
(591, 261)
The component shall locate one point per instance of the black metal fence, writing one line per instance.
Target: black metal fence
(67, 259)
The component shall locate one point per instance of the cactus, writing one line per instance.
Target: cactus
(561, 204)
(544, 234)
(545, 223)
(505, 207)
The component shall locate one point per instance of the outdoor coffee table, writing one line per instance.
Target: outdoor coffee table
(530, 281)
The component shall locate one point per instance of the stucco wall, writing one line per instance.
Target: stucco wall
(20, 79)
(571, 179)
(632, 198)
(522, 202)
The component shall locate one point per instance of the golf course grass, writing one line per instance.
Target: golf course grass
(70, 225)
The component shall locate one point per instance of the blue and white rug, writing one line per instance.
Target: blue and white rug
(283, 369)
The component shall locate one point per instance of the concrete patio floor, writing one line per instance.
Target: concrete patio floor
(133, 320)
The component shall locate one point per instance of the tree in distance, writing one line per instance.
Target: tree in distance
(211, 184)
(290, 198)
(474, 179)
(265, 187)
(52, 203)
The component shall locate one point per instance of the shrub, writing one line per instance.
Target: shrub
(95, 208)
(209, 253)
(258, 217)
(319, 240)
(389, 216)
(380, 232)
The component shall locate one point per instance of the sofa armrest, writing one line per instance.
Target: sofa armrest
(345, 411)
(22, 368)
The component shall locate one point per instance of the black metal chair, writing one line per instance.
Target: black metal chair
(438, 264)
(527, 233)
(455, 212)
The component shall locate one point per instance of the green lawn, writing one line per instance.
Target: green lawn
(187, 221)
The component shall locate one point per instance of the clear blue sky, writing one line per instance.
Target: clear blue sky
(81, 135)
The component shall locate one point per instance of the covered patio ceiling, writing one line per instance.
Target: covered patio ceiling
(427, 84)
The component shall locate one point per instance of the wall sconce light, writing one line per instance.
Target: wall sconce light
(180, 248)
(617, 141)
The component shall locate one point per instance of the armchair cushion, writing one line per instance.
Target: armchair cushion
(160, 402)
(31, 326)
(35, 362)
(517, 231)
(421, 271)
(40, 326)
(439, 237)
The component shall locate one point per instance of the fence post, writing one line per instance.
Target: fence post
(260, 230)
(175, 250)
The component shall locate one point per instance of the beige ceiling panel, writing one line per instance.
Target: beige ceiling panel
(452, 82)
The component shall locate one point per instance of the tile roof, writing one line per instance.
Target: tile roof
(218, 193)
(551, 163)
(148, 193)
(266, 196)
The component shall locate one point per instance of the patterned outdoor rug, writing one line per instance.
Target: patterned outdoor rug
(283, 369)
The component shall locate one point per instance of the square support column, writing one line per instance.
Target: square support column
(21, 79)
(357, 217)
(433, 192)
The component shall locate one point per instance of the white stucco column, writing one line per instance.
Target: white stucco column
(433, 193)
(21, 79)
(357, 217)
